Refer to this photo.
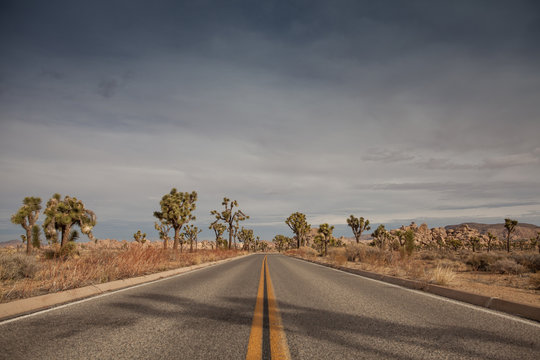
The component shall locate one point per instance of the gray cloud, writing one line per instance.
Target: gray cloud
(382, 109)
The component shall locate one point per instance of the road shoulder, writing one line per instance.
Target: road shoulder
(493, 303)
(21, 307)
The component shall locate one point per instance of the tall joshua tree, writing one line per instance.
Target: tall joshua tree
(510, 226)
(163, 230)
(380, 236)
(325, 231)
(190, 234)
(230, 217)
(62, 215)
(491, 238)
(299, 226)
(27, 217)
(358, 225)
(246, 236)
(176, 210)
(219, 229)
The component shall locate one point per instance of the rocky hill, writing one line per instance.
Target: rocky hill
(522, 231)
(442, 236)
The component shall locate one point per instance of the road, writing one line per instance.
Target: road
(293, 308)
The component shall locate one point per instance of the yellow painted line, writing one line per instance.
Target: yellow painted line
(254, 351)
(278, 342)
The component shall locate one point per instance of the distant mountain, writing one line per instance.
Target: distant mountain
(523, 231)
(10, 243)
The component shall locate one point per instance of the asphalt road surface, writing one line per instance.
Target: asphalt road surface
(286, 308)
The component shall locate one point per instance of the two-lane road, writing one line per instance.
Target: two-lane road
(323, 314)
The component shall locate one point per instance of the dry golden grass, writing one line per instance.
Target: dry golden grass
(338, 256)
(442, 275)
(458, 270)
(99, 265)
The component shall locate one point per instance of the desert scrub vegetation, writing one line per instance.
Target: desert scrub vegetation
(518, 270)
(442, 275)
(24, 276)
(15, 266)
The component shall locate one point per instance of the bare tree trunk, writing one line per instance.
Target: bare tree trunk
(65, 235)
(165, 242)
(230, 235)
(28, 239)
(176, 237)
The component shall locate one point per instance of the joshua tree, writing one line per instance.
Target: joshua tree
(454, 243)
(281, 242)
(219, 229)
(299, 226)
(163, 230)
(190, 234)
(491, 238)
(510, 226)
(230, 217)
(246, 236)
(139, 237)
(380, 236)
(535, 242)
(409, 241)
(36, 232)
(474, 241)
(62, 215)
(27, 217)
(358, 225)
(325, 232)
(176, 210)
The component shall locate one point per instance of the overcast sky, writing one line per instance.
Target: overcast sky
(397, 111)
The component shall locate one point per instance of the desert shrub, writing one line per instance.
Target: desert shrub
(481, 262)
(428, 255)
(507, 266)
(68, 250)
(338, 255)
(534, 281)
(530, 261)
(452, 264)
(305, 251)
(355, 252)
(442, 275)
(17, 266)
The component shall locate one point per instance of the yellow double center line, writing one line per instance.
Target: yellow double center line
(278, 341)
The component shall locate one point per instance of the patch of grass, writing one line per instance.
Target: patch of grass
(482, 262)
(442, 275)
(94, 266)
(534, 281)
(507, 266)
(14, 266)
(355, 252)
(338, 255)
(528, 260)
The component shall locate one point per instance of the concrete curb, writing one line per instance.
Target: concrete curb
(526, 311)
(24, 306)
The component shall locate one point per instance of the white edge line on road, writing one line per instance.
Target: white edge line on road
(442, 298)
(39, 312)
